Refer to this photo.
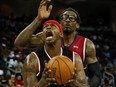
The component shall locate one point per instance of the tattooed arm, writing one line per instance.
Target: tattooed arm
(80, 79)
(30, 69)
(26, 39)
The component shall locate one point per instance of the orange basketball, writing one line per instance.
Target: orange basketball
(62, 69)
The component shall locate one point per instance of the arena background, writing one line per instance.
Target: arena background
(98, 23)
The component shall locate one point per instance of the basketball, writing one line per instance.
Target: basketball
(62, 69)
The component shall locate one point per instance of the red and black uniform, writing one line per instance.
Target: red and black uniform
(92, 70)
(42, 57)
(78, 46)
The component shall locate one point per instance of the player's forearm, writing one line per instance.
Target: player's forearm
(94, 69)
(78, 84)
(41, 84)
(95, 81)
(81, 81)
(30, 80)
(24, 37)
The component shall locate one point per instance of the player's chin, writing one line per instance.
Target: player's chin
(67, 32)
(49, 41)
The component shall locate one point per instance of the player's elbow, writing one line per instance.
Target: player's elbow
(18, 44)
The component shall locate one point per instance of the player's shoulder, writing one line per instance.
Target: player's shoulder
(81, 36)
(30, 63)
(89, 42)
(90, 46)
(31, 58)
(32, 54)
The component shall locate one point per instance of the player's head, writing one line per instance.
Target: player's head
(52, 30)
(70, 20)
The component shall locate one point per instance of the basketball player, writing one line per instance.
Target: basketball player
(70, 21)
(34, 64)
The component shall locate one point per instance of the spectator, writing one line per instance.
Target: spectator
(18, 81)
(11, 81)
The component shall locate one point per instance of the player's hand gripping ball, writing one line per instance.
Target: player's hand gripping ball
(62, 69)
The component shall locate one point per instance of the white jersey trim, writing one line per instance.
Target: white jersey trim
(61, 52)
(39, 68)
(84, 49)
(73, 57)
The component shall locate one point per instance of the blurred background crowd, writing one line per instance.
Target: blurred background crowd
(98, 23)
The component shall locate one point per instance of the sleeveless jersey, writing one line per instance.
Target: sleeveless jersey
(78, 46)
(42, 57)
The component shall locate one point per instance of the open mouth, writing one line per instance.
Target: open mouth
(49, 35)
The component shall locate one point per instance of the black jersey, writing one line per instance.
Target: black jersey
(43, 56)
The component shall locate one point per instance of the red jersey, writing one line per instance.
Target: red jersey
(19, 82)
(78, 46)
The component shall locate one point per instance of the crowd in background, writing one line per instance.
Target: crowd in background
(11, 58)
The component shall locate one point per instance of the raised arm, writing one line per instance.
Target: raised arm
(93, 64)
(25, 38)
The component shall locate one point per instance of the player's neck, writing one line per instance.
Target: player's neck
(68, 39)
(53, 50)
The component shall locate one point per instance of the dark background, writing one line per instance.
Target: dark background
(105, 9)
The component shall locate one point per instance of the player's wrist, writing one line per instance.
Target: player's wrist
(75, 84)
(38, 18)
(37, 21)
(43, 82)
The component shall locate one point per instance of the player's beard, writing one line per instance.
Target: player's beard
(67, 31)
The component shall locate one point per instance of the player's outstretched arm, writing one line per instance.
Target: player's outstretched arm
(25, 38)
(93, 64)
